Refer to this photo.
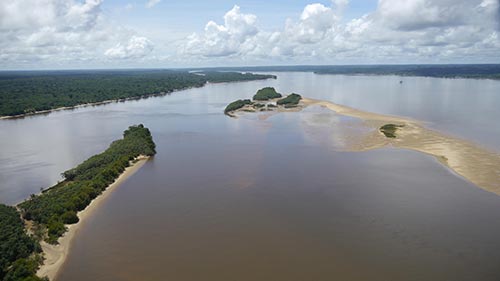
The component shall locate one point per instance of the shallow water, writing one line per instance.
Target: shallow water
(249, 199)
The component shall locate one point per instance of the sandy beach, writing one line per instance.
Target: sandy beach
(55, 255)
(466, 159)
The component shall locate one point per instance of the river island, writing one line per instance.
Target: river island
(466, 159)
(36, 234)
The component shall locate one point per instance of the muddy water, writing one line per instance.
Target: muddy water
(250, 199)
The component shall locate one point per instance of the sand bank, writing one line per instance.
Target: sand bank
(466, 159)
(55, 255)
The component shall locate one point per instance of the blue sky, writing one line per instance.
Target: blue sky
(63, 34)
(191, 15)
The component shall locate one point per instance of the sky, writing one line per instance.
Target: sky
(72, 34)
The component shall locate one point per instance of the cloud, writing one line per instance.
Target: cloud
(396, 31)
(57, 33)
(137, 47)
(152, 3)
(227, 39)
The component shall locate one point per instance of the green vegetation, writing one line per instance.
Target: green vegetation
(266, 94)
(473, 71)
(224, 77)
(389, 130)
(58, 205)
(236, 105)
(291, 100)
(19, 257)
(28, 92)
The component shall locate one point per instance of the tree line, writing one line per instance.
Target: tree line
(28, 92)
(59, 204)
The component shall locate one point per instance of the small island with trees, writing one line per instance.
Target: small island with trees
(266, 99)
(44, 217)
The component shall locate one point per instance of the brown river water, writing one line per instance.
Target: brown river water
(250, 199)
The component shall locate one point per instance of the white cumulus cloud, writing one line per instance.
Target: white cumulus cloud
(57, 33)
(416, 31)
(223, 40)
(136, 47)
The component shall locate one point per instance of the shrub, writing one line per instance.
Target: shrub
(292, 99)
(236, 105)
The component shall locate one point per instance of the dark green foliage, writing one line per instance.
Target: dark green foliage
(16, 247)
(236, 105)
(389, 130)
(27, 92)
(271, 105)
(266, 94)
(474, 71)
(23, 270)
(489, 71)
(221, 77)
(259, 105)
(59, 204)
(290, 101)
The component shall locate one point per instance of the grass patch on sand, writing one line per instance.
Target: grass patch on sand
(389, 130)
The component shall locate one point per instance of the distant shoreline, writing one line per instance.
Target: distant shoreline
(83, 105)
(55, 255)
(144, 96)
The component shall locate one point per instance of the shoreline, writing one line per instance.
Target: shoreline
(55, 255)
(464, 158)
(83, 105)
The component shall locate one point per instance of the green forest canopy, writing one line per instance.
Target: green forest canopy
(18, 251)
(27, 92)
(266, 93)
(59, 205)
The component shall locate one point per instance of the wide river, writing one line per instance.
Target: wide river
(249, 199)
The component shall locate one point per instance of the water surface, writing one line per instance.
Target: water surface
(246, 199)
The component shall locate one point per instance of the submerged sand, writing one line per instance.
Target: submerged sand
(55, 255)
(467, 159)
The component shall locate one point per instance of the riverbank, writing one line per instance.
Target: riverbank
(464, 158)
(48, 111)
(55, 255)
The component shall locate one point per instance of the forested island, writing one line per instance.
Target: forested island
(47, 214)
(266, 99)
(29, 92)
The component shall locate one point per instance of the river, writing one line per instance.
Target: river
(249, 199)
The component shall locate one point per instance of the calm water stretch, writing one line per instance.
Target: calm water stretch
(249, 199)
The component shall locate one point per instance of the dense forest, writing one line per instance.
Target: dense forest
(479, 71)
(31, 91)
(19, 258)
(59, 204)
